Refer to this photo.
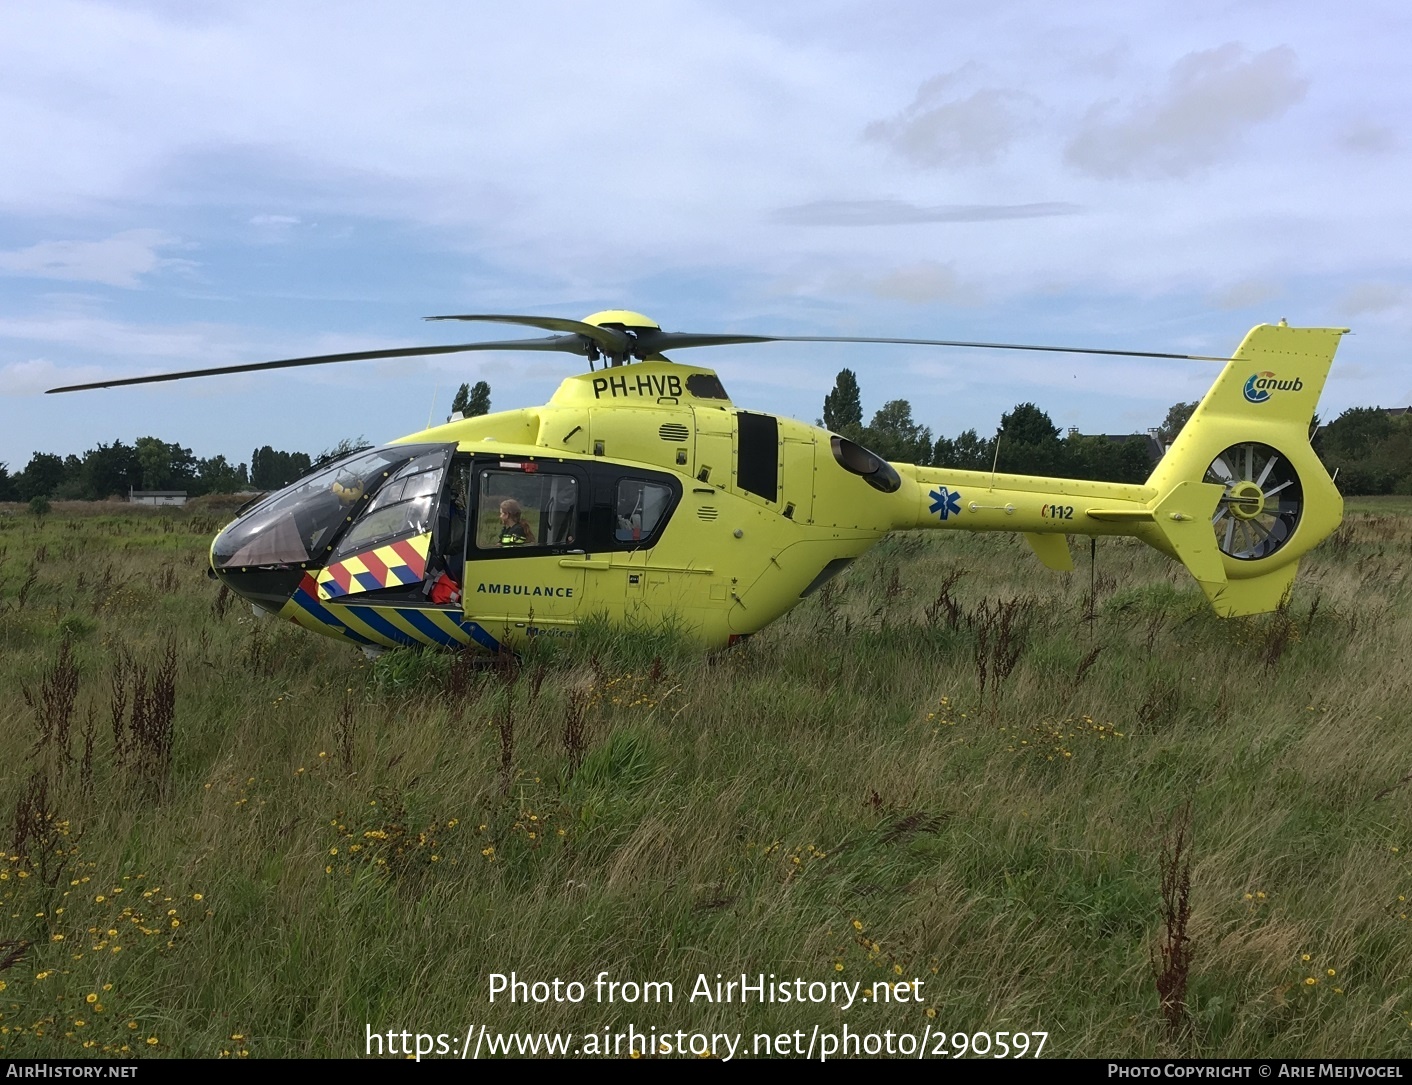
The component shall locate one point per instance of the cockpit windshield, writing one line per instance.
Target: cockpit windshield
(300, 523)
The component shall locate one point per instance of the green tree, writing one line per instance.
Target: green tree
(1029, 442)
(843, 407)
(217, 476)
(73, 487)
(968, 452)
(1178, 415)
(346, 447)
(1356, 433)
(471, 402)
(1027, 424)
(893, 434)
(42, 477)
(111, 471)
(271, 469)
(9, 491)
(165, 466)
(1370, 449)
(1104, 459)
(479, 402)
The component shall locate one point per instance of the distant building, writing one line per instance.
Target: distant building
(157, 497)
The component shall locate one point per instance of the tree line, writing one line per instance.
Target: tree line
(1029, 442)
(149, 463)
(1370, 447)
(112, 470)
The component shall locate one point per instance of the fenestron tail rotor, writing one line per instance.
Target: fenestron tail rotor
(1262, 504)
(616, 337)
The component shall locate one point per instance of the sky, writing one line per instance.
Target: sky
(190, 183)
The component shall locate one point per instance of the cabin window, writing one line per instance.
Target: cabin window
(526, 508)
(641, 506)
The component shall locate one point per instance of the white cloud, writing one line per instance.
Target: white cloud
(38, 374)
(894, 212)
(101, 336)
(1376, 298)
(924, 283)
(478, 158)
(120, 260)
(1212, 98)
(939, 130)
(1368, 137)
(920, 283)
(1245, 294)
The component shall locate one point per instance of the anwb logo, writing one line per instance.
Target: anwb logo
(1260, 386)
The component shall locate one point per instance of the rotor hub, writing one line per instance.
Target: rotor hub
(622, 318)
(1246, 500)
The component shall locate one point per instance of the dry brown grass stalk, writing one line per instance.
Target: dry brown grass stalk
(1172, 966)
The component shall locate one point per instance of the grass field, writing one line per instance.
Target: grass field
(225, 836)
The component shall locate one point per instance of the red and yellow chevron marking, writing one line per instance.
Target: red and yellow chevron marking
(390, 566)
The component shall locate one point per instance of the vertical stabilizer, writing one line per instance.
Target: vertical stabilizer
(1247, 444)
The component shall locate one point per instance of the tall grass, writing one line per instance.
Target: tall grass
(224, 836)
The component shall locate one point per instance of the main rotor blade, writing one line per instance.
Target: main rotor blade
(678, 340)
(578, 337)
(654, 341)
(610, 340)
(569, 344)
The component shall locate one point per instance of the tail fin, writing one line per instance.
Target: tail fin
(1246, 446)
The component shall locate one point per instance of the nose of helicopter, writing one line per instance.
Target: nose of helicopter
(264, 554)
(267, 552)
(267, 586)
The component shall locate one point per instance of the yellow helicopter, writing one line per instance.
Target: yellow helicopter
(639, 491)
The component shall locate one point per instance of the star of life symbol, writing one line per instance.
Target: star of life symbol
(946, 502)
